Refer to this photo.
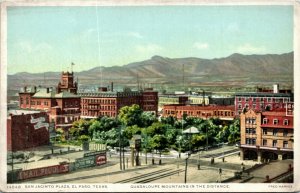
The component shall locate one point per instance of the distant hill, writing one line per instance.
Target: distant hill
(236, 69)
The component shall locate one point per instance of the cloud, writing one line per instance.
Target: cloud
(148, 48)
(135, 35)
(201, 46)
(28, 47)
(250, 49)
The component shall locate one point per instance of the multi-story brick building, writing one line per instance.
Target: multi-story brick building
(169, 99)
(108, 103)
(27, 129)
(204, 112)
(198, 100)
(266, 135)
(61, 104)
(261, 101)
(67, 83)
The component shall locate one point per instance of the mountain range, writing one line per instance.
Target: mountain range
(236, 69)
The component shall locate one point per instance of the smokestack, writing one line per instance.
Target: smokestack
(34, 89)
(112, 87)
(276, 88)
(25, 89)
(47, 90)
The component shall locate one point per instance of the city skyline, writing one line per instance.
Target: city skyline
(50, 38)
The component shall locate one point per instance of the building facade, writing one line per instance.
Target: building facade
(27, 129)
(108, 103)
(261, 101)
(204, 112)
(62, 106)
(172, 99)
(67, 83)
(198, 100)
(266, 135)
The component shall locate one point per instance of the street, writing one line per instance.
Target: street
(172, 169)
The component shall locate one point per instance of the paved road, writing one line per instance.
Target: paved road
(171, 171)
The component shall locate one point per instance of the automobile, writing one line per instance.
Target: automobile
(238, 144)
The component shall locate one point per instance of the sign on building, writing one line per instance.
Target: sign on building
(97, 147)
(39, 122)
(45, 171)
(91, 159)
(100, 159)
(85, 162)
(290, 109)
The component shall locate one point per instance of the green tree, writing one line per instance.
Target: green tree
(170, 120)
(158, 142)
(147, 119)
(94, 126)
(223, 134)
(60, 135)
(145, 142)
(130, 115)
(234, 131)
(156, 128)
(197, 141)
(132, 130)
(79, 128)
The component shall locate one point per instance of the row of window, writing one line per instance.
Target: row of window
(98, 107)
(251, 120)
(67, 120)
(99, 101)
(275, 132)
(97, 114)
(150, 98)
(276, 121)
(275, 143)
(199, 113)
(45, 103)
(250, 130)
(252, 141)
(261, 99)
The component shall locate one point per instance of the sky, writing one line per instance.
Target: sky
(41, 39)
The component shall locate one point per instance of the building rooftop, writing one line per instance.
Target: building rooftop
(265, 94)
(66, 94)
(207, 107)
(43, 93)
(21, 112)
(109, 94)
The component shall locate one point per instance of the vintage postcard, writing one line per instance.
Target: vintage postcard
(149, 96)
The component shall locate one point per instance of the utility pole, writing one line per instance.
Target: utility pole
(120, 149)
(185, 173)
(123, 156)
(183, 85)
